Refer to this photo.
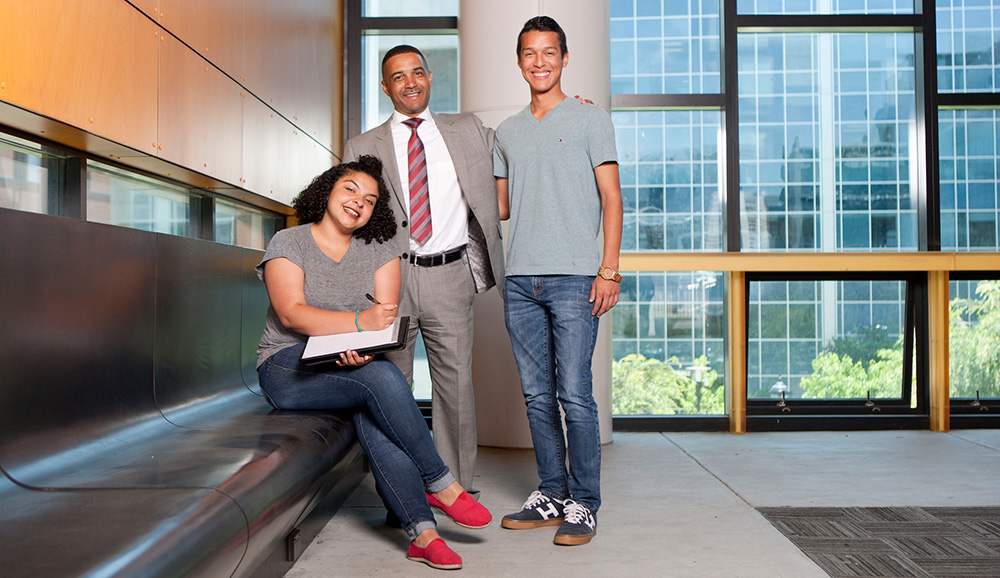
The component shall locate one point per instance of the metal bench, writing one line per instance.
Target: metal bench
(134, 439)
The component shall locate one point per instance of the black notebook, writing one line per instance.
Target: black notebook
(324, 348)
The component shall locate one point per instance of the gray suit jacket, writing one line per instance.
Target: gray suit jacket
(470, 145)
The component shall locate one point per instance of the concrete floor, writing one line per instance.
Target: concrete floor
(680, 504)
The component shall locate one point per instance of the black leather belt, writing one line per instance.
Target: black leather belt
(439, 259)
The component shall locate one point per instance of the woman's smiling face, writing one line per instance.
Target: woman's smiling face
(352, 201)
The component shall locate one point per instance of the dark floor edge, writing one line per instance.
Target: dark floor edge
(802, 422)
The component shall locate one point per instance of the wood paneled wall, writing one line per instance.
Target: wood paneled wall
(243, 95)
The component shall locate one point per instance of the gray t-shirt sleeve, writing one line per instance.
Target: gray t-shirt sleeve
(601, 138)
(285, 243)
(499, 161)
(384, 252)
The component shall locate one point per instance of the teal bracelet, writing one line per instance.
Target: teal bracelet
(356, 324)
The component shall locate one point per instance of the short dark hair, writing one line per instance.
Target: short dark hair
(310, 204)
(543, 24)
(402, 49)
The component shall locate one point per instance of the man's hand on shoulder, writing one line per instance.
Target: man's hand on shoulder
(587, 101)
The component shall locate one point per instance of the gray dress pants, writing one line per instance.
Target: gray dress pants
(439, 303)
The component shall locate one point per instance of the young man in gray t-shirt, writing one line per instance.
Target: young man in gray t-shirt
(557, 181)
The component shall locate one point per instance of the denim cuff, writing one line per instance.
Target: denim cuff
(441, 483)
(552, 496)
(416, 529)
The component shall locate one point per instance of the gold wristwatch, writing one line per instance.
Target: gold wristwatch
(609, 274)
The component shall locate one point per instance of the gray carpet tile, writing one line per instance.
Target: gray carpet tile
(903, 542)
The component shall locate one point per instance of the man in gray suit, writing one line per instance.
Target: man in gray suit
(439, 169)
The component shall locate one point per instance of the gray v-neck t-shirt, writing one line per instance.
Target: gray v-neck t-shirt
(555, 205)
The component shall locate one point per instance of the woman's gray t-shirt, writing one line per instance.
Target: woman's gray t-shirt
(329, 284)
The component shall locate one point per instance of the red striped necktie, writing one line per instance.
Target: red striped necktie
(420, 201)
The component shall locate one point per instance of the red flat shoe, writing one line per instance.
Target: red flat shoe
(437, 554)
(466, 511)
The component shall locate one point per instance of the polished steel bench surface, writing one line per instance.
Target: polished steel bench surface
(127, 379)
(190, 531)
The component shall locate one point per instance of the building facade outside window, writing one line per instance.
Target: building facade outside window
(969, 143)
(828, 162)
(32, 176)
(245, 226)
(118, 197)
(668, 348)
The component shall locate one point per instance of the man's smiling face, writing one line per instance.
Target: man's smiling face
(407, 83)
(541, 60)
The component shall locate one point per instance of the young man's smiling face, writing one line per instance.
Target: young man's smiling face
(407, 83)
(541, 60)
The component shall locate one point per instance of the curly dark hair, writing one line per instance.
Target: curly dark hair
(310, 204)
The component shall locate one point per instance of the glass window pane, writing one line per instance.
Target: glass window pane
(970, 198)
(973, 334)
(382, 8)
(830, 168)
(441, 52)
(826, 339)
(244, 226)
(669, 166)
(117, 197)
(665, 48)
(421, 371)
(967, 44)
(32, 176)
(668, 344)
(824, 6)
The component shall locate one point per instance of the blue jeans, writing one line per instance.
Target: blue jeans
(391, 430)
(553, 331)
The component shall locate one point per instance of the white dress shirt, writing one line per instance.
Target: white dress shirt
(449, 209)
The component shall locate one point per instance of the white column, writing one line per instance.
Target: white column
(492, 87)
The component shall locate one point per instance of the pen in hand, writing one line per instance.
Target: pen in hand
(384, 313)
